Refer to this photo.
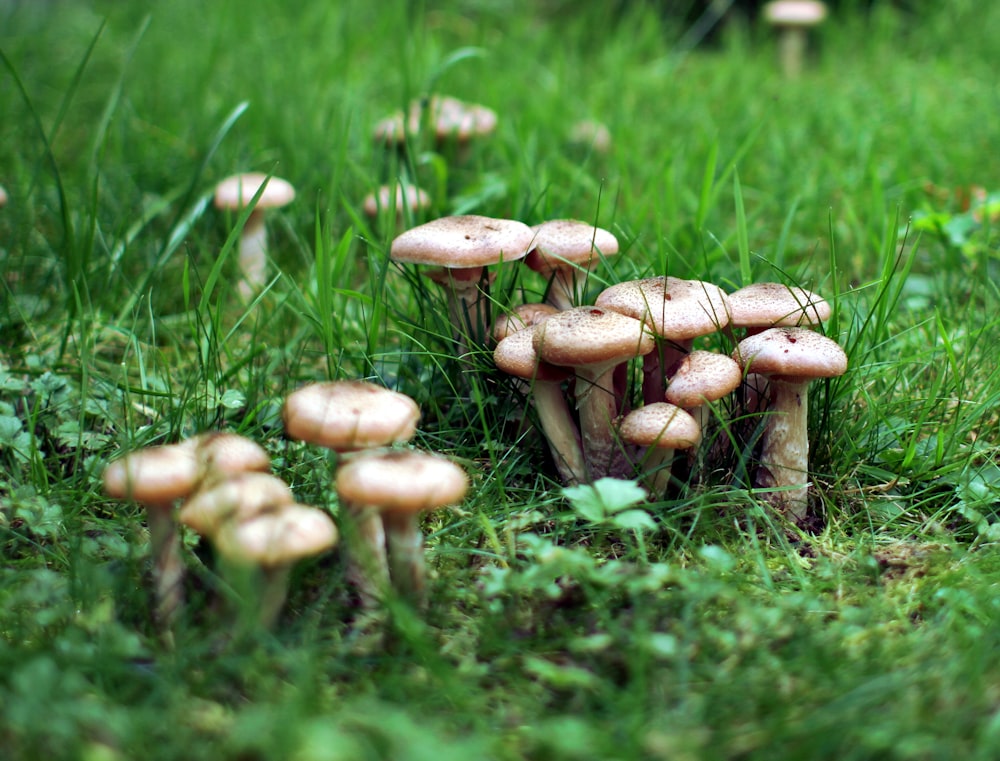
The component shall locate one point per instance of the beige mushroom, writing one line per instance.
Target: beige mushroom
(565, 251)
(235, 193)
(790, 358)
(661, 428)
(396, 203)
(793, 19)
(399, 485)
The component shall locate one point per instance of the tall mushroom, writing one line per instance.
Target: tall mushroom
(793, 19)
(237, 192)
(460, 250)
(593, 342)
(790, 358)
(399, 486)
(564, 251)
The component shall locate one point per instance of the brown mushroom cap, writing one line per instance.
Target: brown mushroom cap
(237, 191)
(463, 241)
(516, 355)
(237, 497)
(569, 243)
(772, 305)
(590, 336)
(673, 308)
(521, 317)
(791, 354)
(401, 481)
(154, 475)
(660, 425)
(278, 537)
(396, 197)
(448, 117)
(224, 454)
(349, 415)
(703, 376)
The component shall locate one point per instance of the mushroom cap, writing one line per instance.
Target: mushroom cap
(448, 117)
(397, 197)
(794, 12)
(278, 537)
(401, 482)
(791, 354)
(221, 453)
(673, 308)
(3, 196)
(661, 425)
(238, 497)
(569, 244)
(467, 240)
(772, 305)
(516, 355)
(589, 335)
(520, 317)
(237, 191)
(349, 415)
(153, 475)
(590, 133)
(703, 376)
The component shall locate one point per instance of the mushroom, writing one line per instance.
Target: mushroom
(593, 342)
(520, 317)
(661, 428)
(399, 485)
(700, 378)
(516, 355)
(346, 416)
(790, 358)
(760, 306)
(448, 118)
(3, 197)
(396, 201)
(157, 477)
(273, 541)
(461, 248)
(235, 498)
(591, 135)
(564, 251)
(792, 19)
(235, 193)
(676, 312)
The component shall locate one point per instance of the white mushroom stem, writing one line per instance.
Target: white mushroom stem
(792, 42)
(597, 406)
(168, 564)
(559, 429)
(564, 287)
(784, 459)
(405, 544)
(253, 254)
(366, 563)
(657, 464)
(468, 303)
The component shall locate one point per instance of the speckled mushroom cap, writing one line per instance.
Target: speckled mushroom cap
(396, 197)
(673, 308)
(449, 118)
(349, 415)
(237, 497)
(516, 355)
(237, 191)
(278, 537)
(791, 354)
(772, 305)
(591, 336)
(660, 425)
(520, 317)
(154, 475)
(794, 12)
(467, 240)
(401, 481)
(563, 243)
(703, 376)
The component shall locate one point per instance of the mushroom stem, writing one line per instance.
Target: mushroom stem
(791, 50)
(273, 593)
(560, 432)
(564, 288)
(598, 407)
(784, 459)
(366, 563)
(253, 255)
(168, 565)
(405, 544)
(657, 464)
(655, 365)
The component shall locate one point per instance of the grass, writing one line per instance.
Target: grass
(555, 629)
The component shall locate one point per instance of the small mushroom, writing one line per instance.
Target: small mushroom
(448, 118)
(593, 342)
(234, 498)
(516, 355)
(790, 358)
(274, 541)
(661, 428)
(396, 203)
(460, 249)
(235, 193)
(3, 197)
(564, 251)
(399, 485)
(793, 19)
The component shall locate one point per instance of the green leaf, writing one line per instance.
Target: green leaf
(634, 520)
